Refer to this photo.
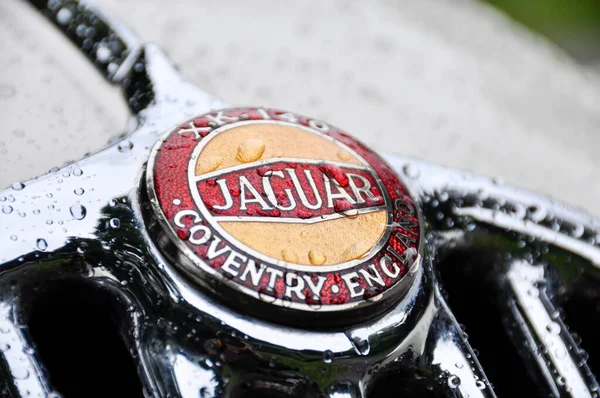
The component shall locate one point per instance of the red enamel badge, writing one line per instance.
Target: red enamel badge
(283, 208)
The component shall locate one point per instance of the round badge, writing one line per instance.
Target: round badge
(283, 208)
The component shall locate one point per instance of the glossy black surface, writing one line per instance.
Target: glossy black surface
(82, 283)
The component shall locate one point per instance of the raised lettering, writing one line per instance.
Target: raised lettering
(199, 240)
(221, 119)
(294, 284)
(289, 117)
(273, 275)
(263, 113)
(404, 206)
(404, 222)
(318, 125)
(266, 182)
(226, 195)
(341, 192)
(231, 264)
(372, 277)
(186, 213)
(301, 194)
(315, 288)
(351, 280)
(255, 272)
(198, 132)
(246, 187)
(359, 191)
(385, 262)
(405, 239)
(213, 252)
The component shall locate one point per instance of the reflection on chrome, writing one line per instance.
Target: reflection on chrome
(86, 222)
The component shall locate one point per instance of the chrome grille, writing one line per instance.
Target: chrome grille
(523, 255)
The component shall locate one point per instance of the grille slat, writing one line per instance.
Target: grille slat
(549, 347)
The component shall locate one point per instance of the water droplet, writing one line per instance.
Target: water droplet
(49, 222)
(17, 186)
(49, 195)
(81, 248)
(13, 237)
(114, 223)
(112, 203)
(361, 345)
(344, 155)
(28, 350)
(7, 90)
(480, 384)
(578, 231)
(250, 150)
(584, 356)
(78, 211)
(553, 328)
(328, 356)
(125, 146)
(64, 16)
(176, 202)
(19, 372)
(19, 133)
(266, 296)
(80, 31)
(77, 172)
(79, 191)
(459, 365)
(352, 213)
(316, 258)
(453, 381)
(103, 53)
(4, 347)
(290, 256)
(41, 244)
(207, 164)
(411, 171)
(355, 251)
(7, 209)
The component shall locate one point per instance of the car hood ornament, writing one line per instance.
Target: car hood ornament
(286, 209)
(258, 252)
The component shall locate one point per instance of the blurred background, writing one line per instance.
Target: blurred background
(574, 26)
(504, 88)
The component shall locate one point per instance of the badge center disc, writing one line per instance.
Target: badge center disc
(283, 208)
(289, 193)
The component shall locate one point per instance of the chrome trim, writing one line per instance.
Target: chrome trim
(195, 194)
(419, 333)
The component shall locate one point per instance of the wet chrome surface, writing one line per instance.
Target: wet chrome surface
(84, 222)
